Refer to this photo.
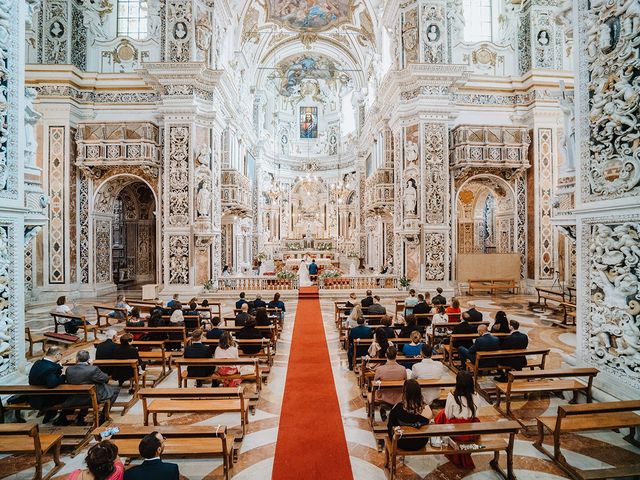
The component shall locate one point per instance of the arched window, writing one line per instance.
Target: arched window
(132, 18)
(478, 20)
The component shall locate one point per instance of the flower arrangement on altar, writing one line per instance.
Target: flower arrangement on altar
(331, 273)
(285, 275)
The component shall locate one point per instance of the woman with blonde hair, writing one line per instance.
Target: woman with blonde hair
(356, 313)
(413, 349)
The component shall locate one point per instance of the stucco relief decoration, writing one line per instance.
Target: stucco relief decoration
(613, 53)
(433, 38)
(94, 14)
(612, 330)
(7, 300)
(103, 251)
(410, 37)
(203, 182)
(179, 260)
(178, 175)
(434, 256)
(179, 31)
(83, 207)
(204, 32)
(57, 220)
(9, 96)
(435, 160)
(55, 25)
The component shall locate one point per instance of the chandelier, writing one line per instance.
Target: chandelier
(342, 189)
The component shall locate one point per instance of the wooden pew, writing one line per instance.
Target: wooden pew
(270, 332)
(373, 320)
(497, 445)
(103, 311)
(194, 400)
(534, 381)
(546, 294)
(178, 331)
(25, 438)
(59, 319)
(152, 352)
(372, 402)
(492, 285)
(451, 350)
(65, 390)
(33, 340)
(366, 373)
(264, 353)
(442, 331)
(181, 441)
(183, 363)
(585, 418)
(498, 355)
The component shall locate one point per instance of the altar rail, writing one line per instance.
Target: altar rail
(256, 283)
(266, 282)
(358, 282)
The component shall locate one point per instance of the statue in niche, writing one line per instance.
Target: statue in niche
(507, 24)
(203, 199)
(179, 31)
(93, 17)
(153, 20)
(410, 198)
(455, 15)
(203, 177)
(411, 152)
(31, 117)
(569, 140)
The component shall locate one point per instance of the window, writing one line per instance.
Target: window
(478, 20)
(132, 18)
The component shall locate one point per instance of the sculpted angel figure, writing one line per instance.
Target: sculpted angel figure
(93, 17)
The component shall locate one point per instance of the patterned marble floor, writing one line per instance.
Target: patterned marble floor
(257, 451)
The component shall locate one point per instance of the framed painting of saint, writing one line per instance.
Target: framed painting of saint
(308, 122)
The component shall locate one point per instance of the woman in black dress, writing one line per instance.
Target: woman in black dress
(412, 412)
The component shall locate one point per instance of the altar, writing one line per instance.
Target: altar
(294, 263)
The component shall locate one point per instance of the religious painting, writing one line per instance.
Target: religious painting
(308, 122)
(306, 15)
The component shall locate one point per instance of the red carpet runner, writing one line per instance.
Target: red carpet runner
(311, 442)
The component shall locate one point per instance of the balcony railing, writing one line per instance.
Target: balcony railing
(379, 190)
(490, 146)
(235, 193)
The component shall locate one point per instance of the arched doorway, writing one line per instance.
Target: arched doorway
(485, 207)
(125, 233)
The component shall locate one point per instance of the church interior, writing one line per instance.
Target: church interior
(337, 239)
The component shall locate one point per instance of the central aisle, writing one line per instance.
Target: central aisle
(311, 441)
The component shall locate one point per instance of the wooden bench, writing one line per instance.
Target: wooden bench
(450, 349)
(498, 355)
(568, 315)
(25, 438)
(59, 319)
(184, 363)
(441, 331)
(264, 343)
(103, 311)
(212, 401)
(366, 374)
(78, 436)
(585, 418)
(534, 381)
(492, 285)
(63, 338)
(181, 441)
(33, 340)
(497, 445)
(191, 322)
(546, 294)
(269, 332)
(179, 332)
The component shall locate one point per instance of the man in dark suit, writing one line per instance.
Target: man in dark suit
(258, 302)
(516, 341)
(421, 306)
(375, 308)
(464, 328)
(249, 332)
(197, 349)
(47, 372)
(361, 331)
(215, 331)
(104, 350)
(367, 301)
(484, 343)
(439, 299)
(243, 316)
(474, 315)
(83, 373)
(151, 447)
(241, 301)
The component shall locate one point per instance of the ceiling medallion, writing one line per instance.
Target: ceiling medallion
(308, 39)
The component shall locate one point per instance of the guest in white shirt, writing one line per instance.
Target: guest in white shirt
(352, 320)
(463, 402)
(61, 305)
(440, 316)
(428, 369)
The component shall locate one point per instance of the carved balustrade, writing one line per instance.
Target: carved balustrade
(235, 193)
(360, 282)
(105, 145)
(379, 190)
(489, 147)
(265, 282)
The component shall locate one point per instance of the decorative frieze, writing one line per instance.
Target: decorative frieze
(546, 240)
(178, 270)
(435, 248)
(57, 221)
(9, 313)
(177, 183)
(435, 184)
(102, 237)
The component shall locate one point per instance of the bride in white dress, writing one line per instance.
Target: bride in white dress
(303, 273)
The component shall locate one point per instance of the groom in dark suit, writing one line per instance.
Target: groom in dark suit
(153, 467)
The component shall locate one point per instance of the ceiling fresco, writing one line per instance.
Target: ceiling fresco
(309, 15)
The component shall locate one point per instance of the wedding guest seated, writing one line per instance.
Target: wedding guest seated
(501, 323)
(352, 319)
(124, 351)
(47, 372)
(386, 322)
(104, 350)
(428, 369)
(241, 301)
(243, 315)
(351, 302)
(177, 315)
(70, 326)
(258, 302)
(474, 315)
(151, 448)
(205, 315)
(453, 311)
(134, 319)
(277, 303)
(427, 300)
(156, 320)
(121, 302)
(215, 331)
(360, 331)
(193, 309)
(413, 348)
(197, 349)
(249, 332)
(367, 301)
(171, 303)
(516, 341)
(411, 326)
(102, 462)
(440, 316)
(375, 308)
(461, 407)
(158, 308)
(439, 299)
(378, 349)
(390, 370)
(228, 349)
(484, 343)
(421, 307)
(410, 302)
(464, 328)
(410, 410)
(263, 320)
